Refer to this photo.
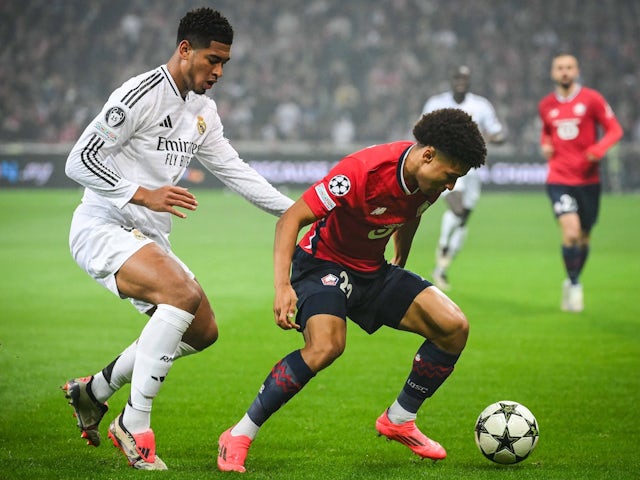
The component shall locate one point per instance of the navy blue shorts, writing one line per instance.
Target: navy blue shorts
(583, 200)
(369, 300)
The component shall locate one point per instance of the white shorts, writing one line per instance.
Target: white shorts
(101, 246)
(469, 186)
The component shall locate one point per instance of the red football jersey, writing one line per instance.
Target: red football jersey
(359, 204)
(571, 126)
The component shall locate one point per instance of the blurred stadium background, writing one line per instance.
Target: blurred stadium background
(310, 81)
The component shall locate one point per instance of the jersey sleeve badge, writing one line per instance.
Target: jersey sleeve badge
(115, 117)
(324, 197)
(339, 185)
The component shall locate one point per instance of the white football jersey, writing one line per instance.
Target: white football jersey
(477, 106)
(147, 135)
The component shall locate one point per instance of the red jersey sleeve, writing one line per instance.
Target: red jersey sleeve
(612, 130)
(545, 134)
(337, 188)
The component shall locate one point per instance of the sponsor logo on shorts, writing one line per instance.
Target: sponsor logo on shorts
(329, 280)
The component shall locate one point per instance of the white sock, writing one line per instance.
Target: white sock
(120, 375)
(123, 369)
(397, 414)
(457, 240)
(153, 359)
(450, 222)
(245, 427)
(101, 388)
(183, 350)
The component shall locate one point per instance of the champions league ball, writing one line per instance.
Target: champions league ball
(506, 432)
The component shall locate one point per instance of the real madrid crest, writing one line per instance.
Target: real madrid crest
(202, 125)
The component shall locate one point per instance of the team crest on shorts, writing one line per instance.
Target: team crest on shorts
(329, 280)
(115, 117)
(138, 234)
(339, 185)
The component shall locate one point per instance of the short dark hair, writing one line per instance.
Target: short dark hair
(204, 25)
(460, 71)
(454, 133)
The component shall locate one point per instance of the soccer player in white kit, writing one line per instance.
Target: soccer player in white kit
(129, 159)
(463, 198)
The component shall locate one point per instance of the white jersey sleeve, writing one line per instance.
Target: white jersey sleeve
(484, 114)
(221, 159)
(146, 135)
(89, 162)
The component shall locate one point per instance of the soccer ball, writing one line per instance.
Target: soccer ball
(506, 432)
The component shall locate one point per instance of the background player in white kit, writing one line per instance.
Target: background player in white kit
(463, 198)
(130, 159)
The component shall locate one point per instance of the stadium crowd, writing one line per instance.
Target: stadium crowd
(319, 71)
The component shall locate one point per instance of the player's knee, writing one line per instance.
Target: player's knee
(203, 331)
(464, 216)
(456, 332)
(185, 295)
(209, 335)
(572, 238)
(329, 352)
(319, 356)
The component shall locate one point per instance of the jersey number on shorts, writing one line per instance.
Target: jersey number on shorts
(345, 286)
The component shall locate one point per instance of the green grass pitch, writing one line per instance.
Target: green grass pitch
(578, 373)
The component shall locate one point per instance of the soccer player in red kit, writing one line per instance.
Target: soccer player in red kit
(571, 117)
(338, 270)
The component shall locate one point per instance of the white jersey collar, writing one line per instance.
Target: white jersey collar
(570, 98)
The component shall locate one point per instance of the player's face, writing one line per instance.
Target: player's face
(205, 65)
(564, 71)
(438, 173)
(460, 83)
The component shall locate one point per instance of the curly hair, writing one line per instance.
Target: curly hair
(454, 133)
(202, 26)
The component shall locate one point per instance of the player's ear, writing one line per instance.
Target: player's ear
(184, 47)
(429, 153)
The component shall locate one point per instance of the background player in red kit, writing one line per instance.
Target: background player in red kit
(571, 116)
(338, 270)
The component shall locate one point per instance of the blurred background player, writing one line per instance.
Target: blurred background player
(338, 270)
(129, 159)
(463, 198)
(571, 118)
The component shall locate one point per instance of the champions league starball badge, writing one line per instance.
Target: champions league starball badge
(339, 185)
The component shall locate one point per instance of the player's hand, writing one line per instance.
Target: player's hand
(547, 150)
(165, 199)
(592, 154)
(284, 307)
